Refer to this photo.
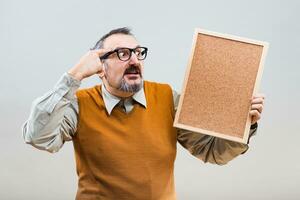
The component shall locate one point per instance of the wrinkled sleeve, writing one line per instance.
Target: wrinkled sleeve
(53, 116)
(209, 148)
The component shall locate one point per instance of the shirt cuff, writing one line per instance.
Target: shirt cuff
(65, 87)
(254, 126)
(72, 84)
(253, 130)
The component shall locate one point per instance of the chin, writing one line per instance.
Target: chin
(134, 82)
(131, 86)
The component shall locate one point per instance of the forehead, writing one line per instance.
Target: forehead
(120, 40)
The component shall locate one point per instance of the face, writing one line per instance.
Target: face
(123, 76)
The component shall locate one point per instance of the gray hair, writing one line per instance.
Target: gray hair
(123, 30)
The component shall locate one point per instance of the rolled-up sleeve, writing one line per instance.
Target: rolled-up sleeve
(53, 117)
(209, 148)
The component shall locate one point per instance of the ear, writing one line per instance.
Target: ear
(102, 72)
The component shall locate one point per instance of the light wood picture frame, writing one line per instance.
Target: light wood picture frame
(223, 73)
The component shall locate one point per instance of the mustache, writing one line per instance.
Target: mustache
(132, 69)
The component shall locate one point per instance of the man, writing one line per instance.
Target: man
(122, 130)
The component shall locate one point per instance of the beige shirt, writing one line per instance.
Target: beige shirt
(53, 120)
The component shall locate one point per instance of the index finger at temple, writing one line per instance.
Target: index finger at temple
(101, 52)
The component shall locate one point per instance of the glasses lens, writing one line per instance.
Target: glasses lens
(124, 54)
(141, 53)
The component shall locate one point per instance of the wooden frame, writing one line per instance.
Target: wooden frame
(223, 73)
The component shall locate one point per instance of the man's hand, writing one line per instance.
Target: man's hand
(88, 65)
(257, 103)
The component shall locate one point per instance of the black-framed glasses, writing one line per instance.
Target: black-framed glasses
(124, 54)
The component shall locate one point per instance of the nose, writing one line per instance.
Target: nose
(133, 59)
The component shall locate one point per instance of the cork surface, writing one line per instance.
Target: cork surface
(220, 84)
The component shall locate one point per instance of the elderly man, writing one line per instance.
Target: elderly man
(122, 130)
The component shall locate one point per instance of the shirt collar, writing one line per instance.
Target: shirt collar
(111, 101)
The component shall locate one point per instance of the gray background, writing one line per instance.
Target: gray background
(40, 40)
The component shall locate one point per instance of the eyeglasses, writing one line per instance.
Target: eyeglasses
(124, 54)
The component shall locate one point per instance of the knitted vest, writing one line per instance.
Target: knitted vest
(126, 156)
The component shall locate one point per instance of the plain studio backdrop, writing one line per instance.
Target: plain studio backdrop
(40, 40)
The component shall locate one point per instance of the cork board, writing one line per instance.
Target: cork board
(223, 73)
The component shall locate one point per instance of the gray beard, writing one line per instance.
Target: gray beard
(125, 87)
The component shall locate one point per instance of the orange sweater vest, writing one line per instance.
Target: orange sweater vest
(126, 156)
